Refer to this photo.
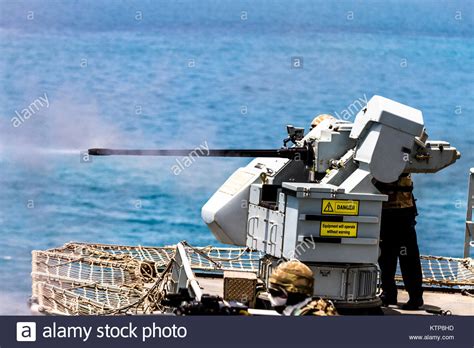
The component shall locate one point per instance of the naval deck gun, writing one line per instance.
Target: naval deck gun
(316, 201)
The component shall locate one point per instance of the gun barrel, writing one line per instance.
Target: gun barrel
(291, 153)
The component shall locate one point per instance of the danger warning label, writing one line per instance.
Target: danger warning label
(338, 229)
(339, 207)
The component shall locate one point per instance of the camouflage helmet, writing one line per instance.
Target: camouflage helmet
(320, 118)
(294, 277)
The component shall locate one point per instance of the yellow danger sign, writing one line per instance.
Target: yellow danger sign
(338, 229)
(339, 207)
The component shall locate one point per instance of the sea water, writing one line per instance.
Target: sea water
(154, 74)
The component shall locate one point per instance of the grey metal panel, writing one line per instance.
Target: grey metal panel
(389, 113)
(274, 245)
(291, 223)
(360, 181)
(343, 253)
(383, 149)
(332, 149)
(256, 227)
(313, 190)
(432, 158)
(360, 249)
(252, 227)
(305, 186)
(265, 230)
(255, 193)
(224, 212)
(358, 241)
(330, 281)
(292, 171)
(344, 282)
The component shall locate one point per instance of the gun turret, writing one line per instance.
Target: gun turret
(316, 201)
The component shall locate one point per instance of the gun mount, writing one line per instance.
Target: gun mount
(316, 201)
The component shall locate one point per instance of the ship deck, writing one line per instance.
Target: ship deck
(454, 302)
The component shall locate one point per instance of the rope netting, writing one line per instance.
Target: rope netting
(84, 299)
(87, 279)
(446, 272)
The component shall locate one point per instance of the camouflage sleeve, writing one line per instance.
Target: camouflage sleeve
(319, 307)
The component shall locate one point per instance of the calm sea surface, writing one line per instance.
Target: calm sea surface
(182, 74)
